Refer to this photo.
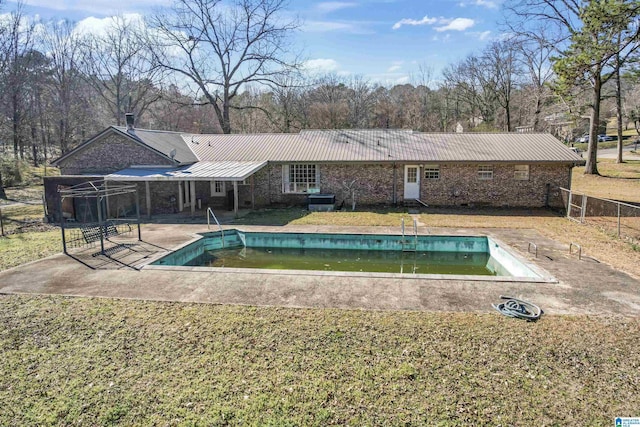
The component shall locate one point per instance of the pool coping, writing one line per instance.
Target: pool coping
(544, 276)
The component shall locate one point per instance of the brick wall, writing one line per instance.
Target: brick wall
(458, 185)
(110, 153)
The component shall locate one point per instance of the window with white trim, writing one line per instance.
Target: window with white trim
(217, 188)
(485, 172)
(431, 171)
(521, 172)
(300, 178)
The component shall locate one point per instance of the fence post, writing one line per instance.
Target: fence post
(1, 224)
(64, 240)
(618, 220)
(569, 205)
(584, 208)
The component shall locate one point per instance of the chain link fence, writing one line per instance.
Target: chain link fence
(621, 219)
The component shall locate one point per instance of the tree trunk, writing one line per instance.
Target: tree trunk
(16, 127)
(226, 119)
(618, 108)
(508, 112)
(3, 195)
(536, 115)
(34, 146)
(591, 167)
(63, 142)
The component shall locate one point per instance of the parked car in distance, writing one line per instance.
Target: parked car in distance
(603, 138)
(583, 138)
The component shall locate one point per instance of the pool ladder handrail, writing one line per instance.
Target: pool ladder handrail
(415, 236)
(210, 213)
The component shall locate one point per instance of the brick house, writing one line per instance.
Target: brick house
(178, 171)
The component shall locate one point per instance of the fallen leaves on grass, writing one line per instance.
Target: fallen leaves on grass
(87, 361)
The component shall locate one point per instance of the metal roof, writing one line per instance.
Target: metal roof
(164, 142)
(382, 146)
(200, 171)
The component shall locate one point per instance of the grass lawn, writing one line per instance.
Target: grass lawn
(20, 248)
(113, 362)
(31, 194)
(26, 238)
(107, 362)
(618, 181)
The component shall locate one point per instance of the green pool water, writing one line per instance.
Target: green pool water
(464, 263)
(415, 256)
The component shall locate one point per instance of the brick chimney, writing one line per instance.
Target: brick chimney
(130, 119)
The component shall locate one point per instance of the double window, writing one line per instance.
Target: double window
(300, 178)
(431, 171)
(485, 172)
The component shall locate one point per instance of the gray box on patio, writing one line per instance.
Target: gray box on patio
(321, 202)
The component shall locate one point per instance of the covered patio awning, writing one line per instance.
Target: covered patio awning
(200, 171)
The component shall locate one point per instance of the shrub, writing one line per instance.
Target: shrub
(13, 172)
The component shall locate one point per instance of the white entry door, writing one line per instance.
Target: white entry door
(412, 182)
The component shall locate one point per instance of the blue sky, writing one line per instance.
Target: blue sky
(383, 40)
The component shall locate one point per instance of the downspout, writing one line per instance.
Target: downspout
(395, 190)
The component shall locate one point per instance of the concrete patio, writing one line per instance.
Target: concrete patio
(584, 286)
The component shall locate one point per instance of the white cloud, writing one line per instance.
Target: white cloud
(332, 6)
(390, 79)
(321, 65)
(99, 6)
(489, 4)
(408, 21)
(444, 24)
(100, 26)
(457, 24)
(486, 3)
(484, 35)
(335, 26)
(395, 66)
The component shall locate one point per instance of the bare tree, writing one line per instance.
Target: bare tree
(583, 35)
(119, 66)
(360, 101)
(220, 48)
(329, 103)
(501, 60)
(16, 46)
(63, 49)
(535, 58)
(289, 112)
(475, 86)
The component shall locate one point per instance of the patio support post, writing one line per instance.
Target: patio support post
(235, 198)
(106, 192)
(138, 213)
(192, 192)
(100, 226)
(180, 197)
(253, 194)
(64, 240)
(147, 190)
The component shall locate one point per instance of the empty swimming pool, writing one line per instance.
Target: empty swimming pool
(416, 256)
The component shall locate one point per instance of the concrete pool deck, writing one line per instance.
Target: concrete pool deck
(584, 286)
